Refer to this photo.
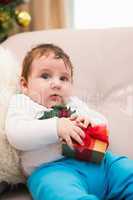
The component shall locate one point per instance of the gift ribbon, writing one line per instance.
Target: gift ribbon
(98, 132)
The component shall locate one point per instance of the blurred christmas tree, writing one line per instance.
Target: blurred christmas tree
(10, 17)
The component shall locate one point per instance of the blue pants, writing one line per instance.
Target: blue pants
(69, 179)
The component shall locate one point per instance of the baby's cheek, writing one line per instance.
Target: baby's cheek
(68, 92)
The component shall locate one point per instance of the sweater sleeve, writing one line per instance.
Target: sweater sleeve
(83, 109)
(27, 133)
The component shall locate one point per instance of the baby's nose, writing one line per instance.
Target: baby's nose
(55, 83)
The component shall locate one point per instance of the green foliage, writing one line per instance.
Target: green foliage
(8, 17)
(11, 3)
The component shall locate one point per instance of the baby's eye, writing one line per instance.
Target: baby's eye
(64, 78)
(45, 76)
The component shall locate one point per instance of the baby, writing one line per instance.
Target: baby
(47, 81)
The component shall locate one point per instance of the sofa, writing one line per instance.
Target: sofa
(103, 77)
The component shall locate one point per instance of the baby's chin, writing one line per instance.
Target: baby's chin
(55, 103)
(52, 104)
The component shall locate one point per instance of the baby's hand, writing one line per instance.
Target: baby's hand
(81, 121)
(67, 131)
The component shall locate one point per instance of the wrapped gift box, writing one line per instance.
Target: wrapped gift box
(94, 148)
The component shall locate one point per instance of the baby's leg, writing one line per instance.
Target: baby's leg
(58, 183)
(119, 178)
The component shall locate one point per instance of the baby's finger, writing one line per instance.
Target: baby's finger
(79, 131)
(86, 122)
(80, 119)
(83, 121)
(69, 142)
(80, 124)
(76, 137)
(60, 139)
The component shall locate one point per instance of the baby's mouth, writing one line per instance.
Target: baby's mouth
(55, 97)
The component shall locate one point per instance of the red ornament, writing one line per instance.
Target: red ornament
(5, 1)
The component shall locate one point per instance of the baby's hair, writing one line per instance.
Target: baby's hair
(44, 49)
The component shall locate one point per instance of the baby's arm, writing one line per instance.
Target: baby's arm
(25, 132)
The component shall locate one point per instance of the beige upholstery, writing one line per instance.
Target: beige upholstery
(103, 63)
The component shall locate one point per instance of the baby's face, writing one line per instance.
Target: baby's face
(49, 82)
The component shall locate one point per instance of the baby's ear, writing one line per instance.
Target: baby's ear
(23, 85)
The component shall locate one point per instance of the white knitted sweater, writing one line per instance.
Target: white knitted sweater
(37, 139)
